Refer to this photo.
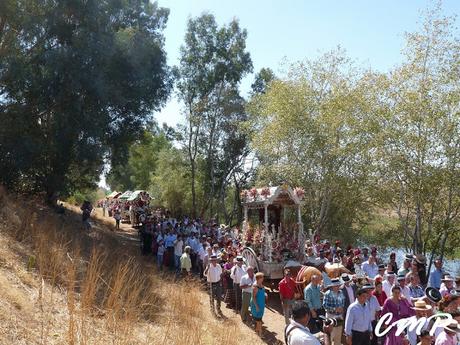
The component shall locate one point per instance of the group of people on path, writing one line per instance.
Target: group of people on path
(347, 307)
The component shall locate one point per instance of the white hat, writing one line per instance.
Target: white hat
(451, 325)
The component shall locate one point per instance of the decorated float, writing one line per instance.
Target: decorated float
(273, 232)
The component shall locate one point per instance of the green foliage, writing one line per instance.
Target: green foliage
(78, 81)
(170, 184)
(138, 170)
(89, 194)
(262, 80)
(213, 60)
(307, 131)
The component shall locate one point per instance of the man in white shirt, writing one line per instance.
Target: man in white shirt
(246, 284)
(388, 283)
(297, 332)
(237, 272)
(213, 273)
(178, 248)
(405, 291)
(370, 268)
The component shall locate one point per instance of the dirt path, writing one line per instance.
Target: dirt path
(273, 318)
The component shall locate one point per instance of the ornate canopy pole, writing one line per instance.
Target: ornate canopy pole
(245, 222)
(267, 237)
(301, 235)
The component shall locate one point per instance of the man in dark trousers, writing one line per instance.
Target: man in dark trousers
(348, 290)
(358, 326)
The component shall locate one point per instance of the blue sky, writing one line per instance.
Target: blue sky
(371, 32)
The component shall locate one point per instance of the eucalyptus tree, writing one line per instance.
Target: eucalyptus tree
(213, 60)
(78, 81)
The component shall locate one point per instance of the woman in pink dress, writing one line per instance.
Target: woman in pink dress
(400, 308)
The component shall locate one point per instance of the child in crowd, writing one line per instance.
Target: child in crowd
(160, 254)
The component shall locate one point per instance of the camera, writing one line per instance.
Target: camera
(327, 321)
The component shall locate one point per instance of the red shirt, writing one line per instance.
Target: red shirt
(381, 298)
(287, 288)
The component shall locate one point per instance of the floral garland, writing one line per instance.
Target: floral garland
(253, 193)
(265, 192)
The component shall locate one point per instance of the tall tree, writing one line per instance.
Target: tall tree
(307, 131)
(212, 60)
(142, 160)
(419, 124)
(78, 80)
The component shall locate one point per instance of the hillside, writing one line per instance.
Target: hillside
(59, 285)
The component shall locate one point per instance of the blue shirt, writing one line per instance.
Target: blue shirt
(435, 278)
(358, 318)
(333, 301)
(169, 240)
(312, 295)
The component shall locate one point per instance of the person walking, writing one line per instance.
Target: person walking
(178, 252)
(213, 273)
(117, 217)
(333, 304)
(312, 295)
(246, 283)
(185, 262)
(358, 327)
(258, 302)
(436, 275)
(160, 254)
(400, 308)
(349, 292)
(287, 289)
(297, 332)
(237, 272)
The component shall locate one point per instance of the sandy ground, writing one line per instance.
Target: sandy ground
(273, 319)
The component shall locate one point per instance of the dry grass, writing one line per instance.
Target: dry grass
(59, 285)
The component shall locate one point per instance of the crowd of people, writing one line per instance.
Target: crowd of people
(344, 309)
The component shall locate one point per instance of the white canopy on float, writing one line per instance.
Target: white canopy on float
(282, 196)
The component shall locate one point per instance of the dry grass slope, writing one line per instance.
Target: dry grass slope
(61, 286)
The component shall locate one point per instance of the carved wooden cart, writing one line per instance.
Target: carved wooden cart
(275, 239)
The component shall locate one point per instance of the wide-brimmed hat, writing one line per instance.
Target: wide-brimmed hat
(345, 277)
(381, 267)
(454, 293)
(367, 287)
(421, 305)
(213, 257)
(408, 257)
(239, 258)
(334, 282)
(448, 278)
(433, 294)
(419, 258)
(401, 277)
(451, 325)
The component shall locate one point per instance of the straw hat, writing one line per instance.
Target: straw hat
(451, 325)
(421, 305)
(447, 278)
(334, 282)
(419, 258)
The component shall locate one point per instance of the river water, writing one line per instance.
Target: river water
(451, 266)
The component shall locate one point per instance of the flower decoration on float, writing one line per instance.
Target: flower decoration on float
(300, 192)
(253, 192)
(265, 192)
